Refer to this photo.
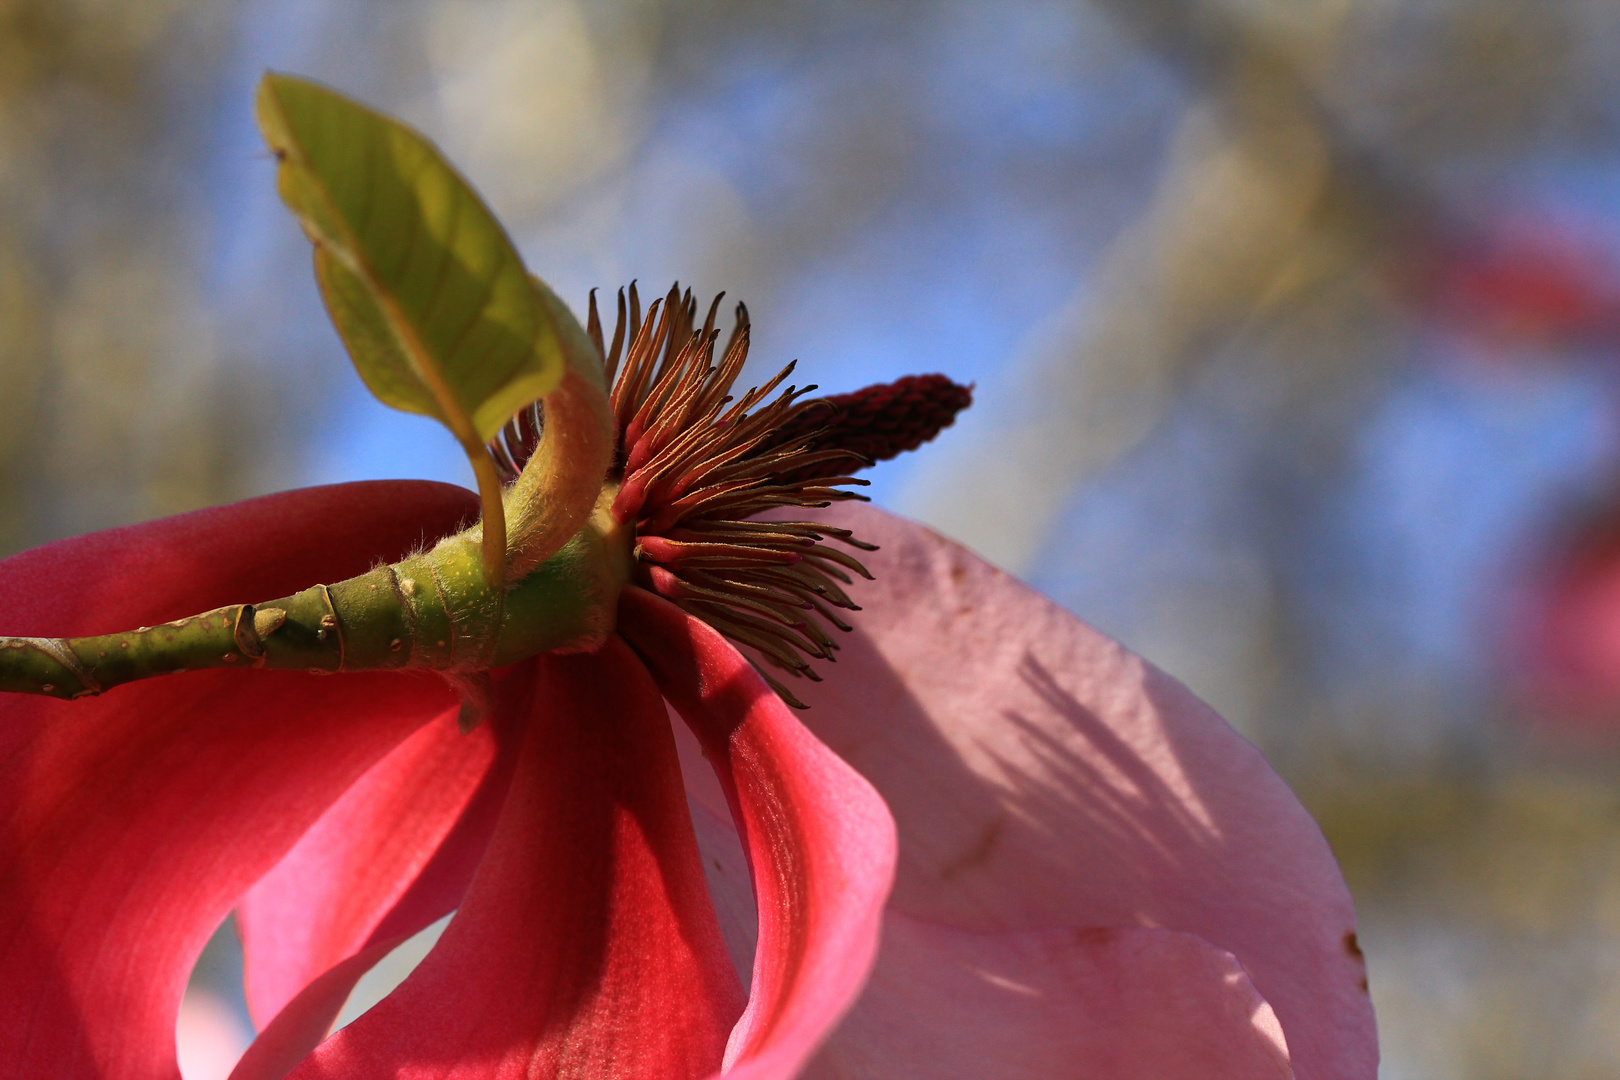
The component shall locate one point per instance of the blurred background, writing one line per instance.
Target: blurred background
(1295, 326)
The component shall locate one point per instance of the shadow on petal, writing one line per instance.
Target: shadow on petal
(1042, 776)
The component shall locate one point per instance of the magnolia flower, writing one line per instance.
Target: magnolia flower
(1025, 852)
(1096, 875)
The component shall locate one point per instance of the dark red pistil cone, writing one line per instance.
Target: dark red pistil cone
(877, 422)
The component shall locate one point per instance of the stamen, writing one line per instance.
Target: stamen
(694, 466)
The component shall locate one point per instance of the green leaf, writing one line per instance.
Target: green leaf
(423, 284)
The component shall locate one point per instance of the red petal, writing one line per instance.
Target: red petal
(395, 854)
(1118, 1004)
(130, 823)
(268, 547)
(586, 946)
(323, 900)
(820, 839)
(1042, 777)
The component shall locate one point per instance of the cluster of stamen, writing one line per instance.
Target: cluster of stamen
(694, 467)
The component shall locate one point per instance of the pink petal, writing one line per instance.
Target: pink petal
(392, 856)
(1043, 777)
(130, 823)
(1116, 1004)
(586, 946)
(819, 838)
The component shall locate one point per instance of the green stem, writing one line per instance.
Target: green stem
(435, 610)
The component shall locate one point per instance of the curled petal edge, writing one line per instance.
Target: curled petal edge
(820, 841)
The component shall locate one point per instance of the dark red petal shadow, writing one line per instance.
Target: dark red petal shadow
(130, 823)
(820, 841)
(586, 946)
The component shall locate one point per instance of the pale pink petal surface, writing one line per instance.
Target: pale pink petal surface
(586, 946)
(1120, 1004)
(130, 823)
(1043, 778)
(819, 840)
